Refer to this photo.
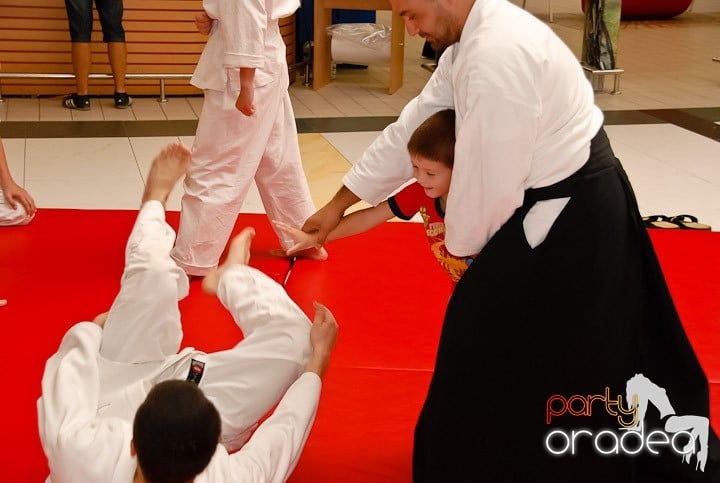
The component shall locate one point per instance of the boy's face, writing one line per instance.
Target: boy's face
(432, 175)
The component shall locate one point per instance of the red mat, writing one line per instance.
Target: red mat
(385, 288)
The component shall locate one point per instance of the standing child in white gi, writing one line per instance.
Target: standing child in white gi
(246, 130)
(116, 403)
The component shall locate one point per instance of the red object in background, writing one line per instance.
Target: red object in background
(649, 9)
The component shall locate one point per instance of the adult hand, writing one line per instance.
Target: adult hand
(323, 222)
(323, 336)
(302, 240)
(328, 217)
(203, 22)
(14, 194)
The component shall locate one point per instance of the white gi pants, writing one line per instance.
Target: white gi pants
(10, 217)
(143, 332)
(230, 150)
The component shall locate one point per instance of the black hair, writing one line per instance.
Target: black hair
(175, 432)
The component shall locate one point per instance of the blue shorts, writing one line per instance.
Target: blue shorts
(80, 19)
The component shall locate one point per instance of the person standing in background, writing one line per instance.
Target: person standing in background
(80, 20)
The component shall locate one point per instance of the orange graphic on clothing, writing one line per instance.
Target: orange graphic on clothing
(454, 266)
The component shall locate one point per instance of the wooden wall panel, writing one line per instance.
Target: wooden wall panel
(160, 34)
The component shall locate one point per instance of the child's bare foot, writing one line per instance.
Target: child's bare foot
(312, 254)
(166, 170)
(238, 254)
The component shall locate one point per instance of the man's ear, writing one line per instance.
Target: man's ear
(132, 448)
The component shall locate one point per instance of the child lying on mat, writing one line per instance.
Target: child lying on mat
(17, 207)
(432, 151)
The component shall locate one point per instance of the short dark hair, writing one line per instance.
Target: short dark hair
(175, 432)
(435, 138)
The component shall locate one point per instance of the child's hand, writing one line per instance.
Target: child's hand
(302, 240)
(203, 22)
(101, 318)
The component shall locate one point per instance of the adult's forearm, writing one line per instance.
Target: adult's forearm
(343, 199)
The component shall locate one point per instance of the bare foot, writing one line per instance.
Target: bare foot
(166, 170)
(238, 254)
(313, 254)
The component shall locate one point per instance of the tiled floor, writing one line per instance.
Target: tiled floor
(672, 156)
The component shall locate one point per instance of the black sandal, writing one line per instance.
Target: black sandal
(77, 102)
(659, 221)
(689, 222)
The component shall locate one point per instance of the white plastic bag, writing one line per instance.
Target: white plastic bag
(360, 43)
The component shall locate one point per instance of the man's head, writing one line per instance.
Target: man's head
(440, 22)
(175, 433)
(432, 152)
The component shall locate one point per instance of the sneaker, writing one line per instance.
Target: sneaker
(74, 101)
(122, 100)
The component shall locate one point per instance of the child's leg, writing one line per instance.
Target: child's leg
(246, 381)
(280, 177)
(228, 147)
(144, 321)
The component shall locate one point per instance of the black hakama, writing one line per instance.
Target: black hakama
(585, 310)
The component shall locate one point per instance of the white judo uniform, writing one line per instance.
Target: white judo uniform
(95, 382)
(10, 216)
(230, 148)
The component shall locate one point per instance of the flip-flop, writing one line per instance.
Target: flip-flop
(659, 221)
(689, 222)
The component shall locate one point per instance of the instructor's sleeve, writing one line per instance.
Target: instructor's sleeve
(385, 165)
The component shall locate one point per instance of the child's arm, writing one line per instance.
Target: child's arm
(245, 102)
(352, 224)
(12, 192)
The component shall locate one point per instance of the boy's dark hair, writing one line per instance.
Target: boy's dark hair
(175, 432)
(435, 138)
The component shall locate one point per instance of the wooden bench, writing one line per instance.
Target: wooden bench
(161, 77)
(160, 34)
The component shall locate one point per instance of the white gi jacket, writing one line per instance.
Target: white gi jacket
(82, 447)
(525, 116)
(245, 37)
